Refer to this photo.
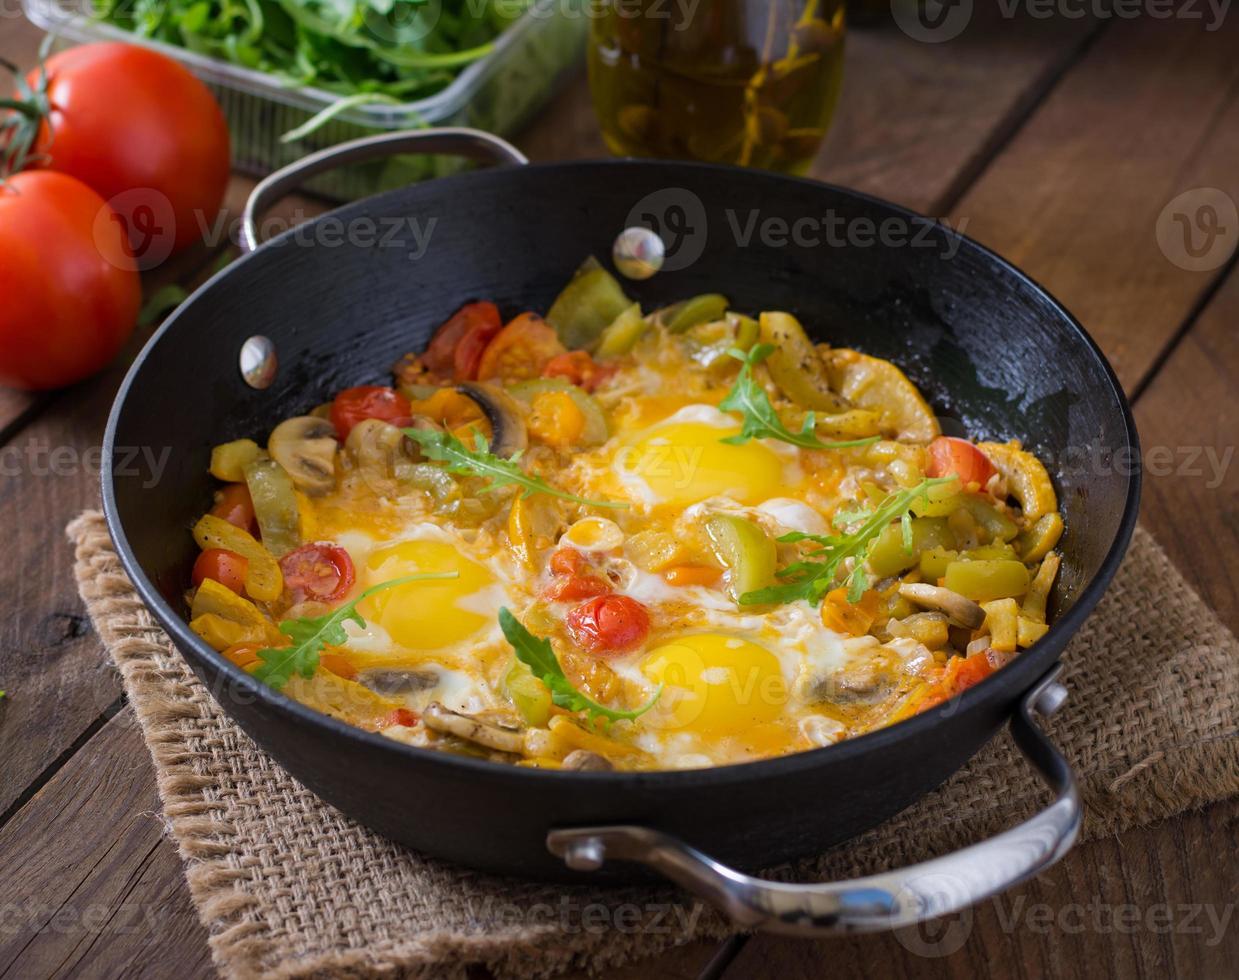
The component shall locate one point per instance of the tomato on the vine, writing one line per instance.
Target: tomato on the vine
(137, 128)
(69, 291)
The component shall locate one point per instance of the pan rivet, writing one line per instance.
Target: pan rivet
(638, 253)
(585, 855)
(258, 362)
(1051, 699)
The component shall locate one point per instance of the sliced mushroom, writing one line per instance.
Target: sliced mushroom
(471, 729)
(507, 423)
(399, 681)
(583, 761)
(306, 447)
(960, 610)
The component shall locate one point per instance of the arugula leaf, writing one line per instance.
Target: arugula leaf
(311, 633)
(537, 655)
(761, 421)
(811, 580)
(445, 448)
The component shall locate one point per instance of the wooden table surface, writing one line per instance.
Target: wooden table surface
(1062, 143)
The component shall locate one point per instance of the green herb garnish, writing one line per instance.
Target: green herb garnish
(761, 421)
(811, 580)
(444, 447)
(311, 633)
(537, 655)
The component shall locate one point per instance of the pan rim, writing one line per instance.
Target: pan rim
(1014, 679)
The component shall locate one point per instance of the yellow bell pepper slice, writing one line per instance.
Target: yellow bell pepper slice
(1026, 476)
(987, 579)
(871, 383)
(263, 580)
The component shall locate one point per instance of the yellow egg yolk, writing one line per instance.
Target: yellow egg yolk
(714, 684)
(425, 615)
(686, 462)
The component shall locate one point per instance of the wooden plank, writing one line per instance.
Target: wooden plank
(915, 120)
(1189, 425)
(1153, 903)
(93, 888)
(1152, 112)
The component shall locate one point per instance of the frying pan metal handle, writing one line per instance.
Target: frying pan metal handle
(451, 141)
(879, 902)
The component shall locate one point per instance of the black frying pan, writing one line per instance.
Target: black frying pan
(989, 347)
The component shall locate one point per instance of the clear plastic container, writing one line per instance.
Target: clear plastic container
(498, 93)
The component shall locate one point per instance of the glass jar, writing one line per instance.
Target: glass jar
(748, 82)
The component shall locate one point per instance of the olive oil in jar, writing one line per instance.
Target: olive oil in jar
(748, 82)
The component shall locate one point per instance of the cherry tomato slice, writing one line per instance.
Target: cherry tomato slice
(398, 716)
(573, 578)
(440, 355)
(520, 350)
(609, 624)
(578, 368)
(355, 405)
(225, 567)
(233, 504)
(948, 455)
(323, 572)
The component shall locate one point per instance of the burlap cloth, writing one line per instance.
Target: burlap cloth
(288, 886)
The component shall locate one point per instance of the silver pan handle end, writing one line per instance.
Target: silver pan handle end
(879, 902)
(456, 141)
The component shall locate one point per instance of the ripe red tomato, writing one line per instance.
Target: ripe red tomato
(949, 455)
(323, 572)
(573, 577)
(69, 292)
(355, 405)
(225, 567)
(609, 624)
(138, 128)
(578, 368)
(233, 504)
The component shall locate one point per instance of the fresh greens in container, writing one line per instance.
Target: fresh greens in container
(374, 50)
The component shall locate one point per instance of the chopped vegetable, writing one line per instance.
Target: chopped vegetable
(892, 552)
(853, 618)
(310, 634)
(745, 549)
(578, 368)
(537, 654)
(520, 350)
(795, 365)
(875, 384)
(306, 447)
(263, 580)
(593, 429)
(811, 580)
(1027, 479)
(587, 306)
(1035, 542)
(949, 455)
(223, 566)
(229, 459)
(1002, 624)
(354, 405)
(233, 504)
(622, 334)
(1039, 590)
(608, 624)
(760, 419)
(530, 696)
(275, 505)
(223, 618)
(322, 572)
(686, 575)
(445, 448)
(691, 312)
(984, 580)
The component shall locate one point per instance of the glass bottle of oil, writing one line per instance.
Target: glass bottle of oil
(748, 82)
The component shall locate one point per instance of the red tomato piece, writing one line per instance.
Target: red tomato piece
(440, 355)
(323, 572)
(398, 716)
(578, 368)
(233, 504)
(609, 624)
(573, 577)
(355, 405)
(224, 566)
(948, 455)
(520, 350)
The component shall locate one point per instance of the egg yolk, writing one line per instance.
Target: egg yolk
(686, 462)
(425, 615)
(715, 684)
